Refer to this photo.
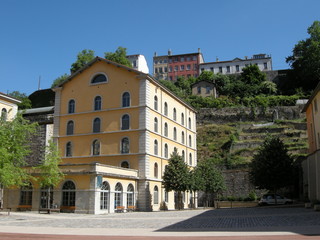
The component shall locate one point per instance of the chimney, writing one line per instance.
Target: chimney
(155, 54)
(169, 52)
(217, 59)
(199, 50)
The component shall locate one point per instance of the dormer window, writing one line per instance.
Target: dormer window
(99, 78)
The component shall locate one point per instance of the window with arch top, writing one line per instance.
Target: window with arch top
(166, 108)
(125, 145)
(156, 195)
(126, 99)
(96, 147)
(96, 125)
(125, 164)
(175, 114)
(182, 119)
(97, 103)
(68, 194)
(71, 106)
(125, 122)
(155, 147)
(99, 78)
(69, 149)
(165, 129)
(156, 103)
(156, 124)
(70, 127)
(155, 170)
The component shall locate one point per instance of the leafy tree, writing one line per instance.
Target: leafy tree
(272, 167)
(83, 58)
(176, 177)
(208, 178)
(206, 76)
(14, 147)
(305, 60)
(25, 101)
(59, 80)
(252, 75)
(119, 56)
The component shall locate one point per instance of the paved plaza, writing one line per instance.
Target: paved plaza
(202, 222)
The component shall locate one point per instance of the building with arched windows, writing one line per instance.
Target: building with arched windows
(116, 128)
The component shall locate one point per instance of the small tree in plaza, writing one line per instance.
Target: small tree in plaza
(176, 177)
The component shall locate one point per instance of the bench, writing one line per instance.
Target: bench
(119, 209)
(24, 207)
(49, 210)
(131, 208)
(68, 209)
(6, 209)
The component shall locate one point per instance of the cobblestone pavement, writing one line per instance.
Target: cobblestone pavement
(237, 221)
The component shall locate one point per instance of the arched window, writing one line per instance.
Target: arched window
(26, 194)
(125, 164)
(4, 114)
(96, 125)
(99, 78)
(190, 159)
(190, 142)
(175, 114)
(68, 194)
(174, 134)
(68, 149)
(182, 137)
(125, 122)
(182, 119)
(96, 147)
(155, 147)
(126, 99)
(118, 195)
(156, 124)
(125, 145)
(156, 103)
(155, 170)
(166, 151)
(155, 195)
(104, 195)
(70, 127)
(166, 130)
(166, 108)
(97, 103)
(183, 156)
(189, 123)
(71, 106)
(130, 195)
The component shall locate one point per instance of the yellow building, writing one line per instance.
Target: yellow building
(311, 167)
(8, 106)
(116, 128)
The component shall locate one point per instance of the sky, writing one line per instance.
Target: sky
(40, 39)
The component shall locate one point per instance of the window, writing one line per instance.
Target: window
(96, 147)
(176, 68)
(99, 78)
(182, 59)
(104, 195)
(174, 114)
(228, 69)
(68, 149)
(220, 69)
(155, 147)
(156, 124)
(155, 195)
(190, 159)
(155, 170)
(96, 125)
(166, 151)
(211, 69)
(166, 109)
(170, 69)
(156, 103)
(174, 134)
(166, 196)
(4, 114)
(194, 58)
(125, 164)
(26, 194)
(189, 123)
(166, 130)
(199, 89)
(182, 137)
(190, 142)
(126, 99)
(71, 106)
(183, 156)
(97, 103)
(188, 67)
(68, 194)
(125, 145)
(45, 194)
(130, 195)
(208, 89)
(182, 119)
(125, 122)
(165, 69)
(70, 127)
(118, 195)
(237, 68)
(160, 70)
(182, 68)
(265, 65)
(155, 70)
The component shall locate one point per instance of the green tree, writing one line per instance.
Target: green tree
(305, 60)
(14, 147)
(119, 56)
(59, 80)
(83, 58)
(206, 76)
(176, 177)
(272, 167)
(25, 101)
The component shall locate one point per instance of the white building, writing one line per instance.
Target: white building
(263, 61)
(139, 63)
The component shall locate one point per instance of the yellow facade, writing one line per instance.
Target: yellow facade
(8, 106)
(116, 129)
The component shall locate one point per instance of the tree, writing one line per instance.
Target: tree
(83, 58)
(176, 177)
(59, 80)
(14, 147)
(25, 101)
(119, 56)
(208, 178)
(272, 167)
(305, 60)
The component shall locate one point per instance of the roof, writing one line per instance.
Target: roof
(9, 98)
(38, 110)
(314, 93)
(185, 54)
(235, 60)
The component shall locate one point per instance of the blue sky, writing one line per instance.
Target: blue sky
(43, 37)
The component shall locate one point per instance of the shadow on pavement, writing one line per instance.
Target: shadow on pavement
(260, 219)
